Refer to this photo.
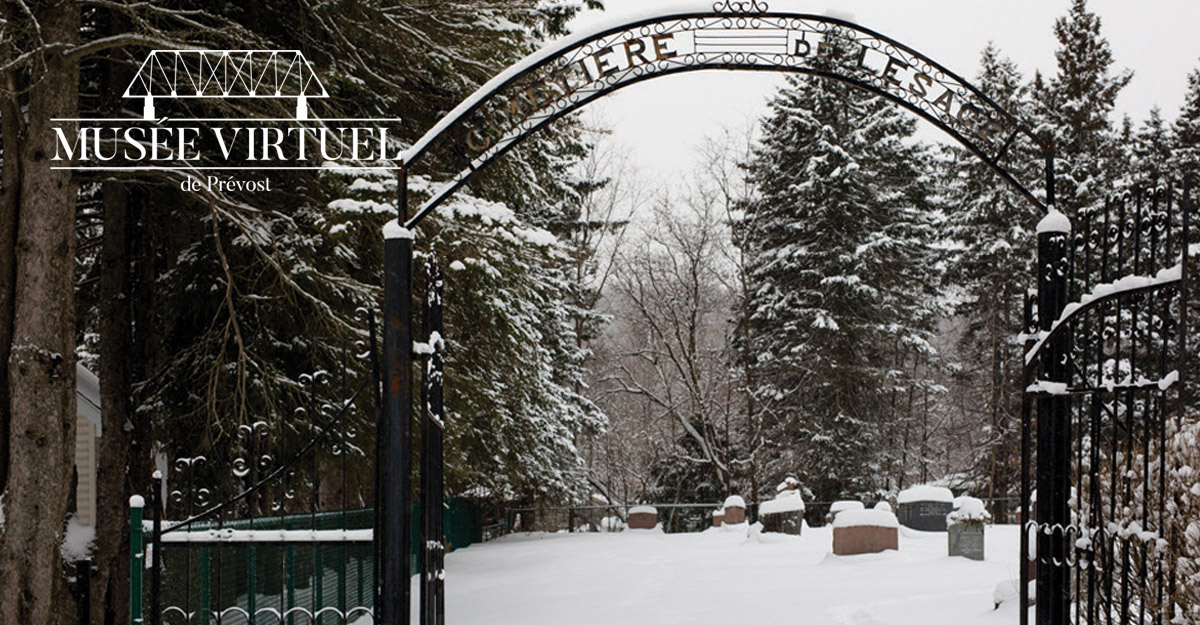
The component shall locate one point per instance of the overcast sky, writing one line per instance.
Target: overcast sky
(661, 120)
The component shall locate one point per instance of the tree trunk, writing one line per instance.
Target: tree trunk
(110, 592)
(121, 469)
(41, 363)
(9, 197)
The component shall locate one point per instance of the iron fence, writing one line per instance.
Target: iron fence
(673, 518)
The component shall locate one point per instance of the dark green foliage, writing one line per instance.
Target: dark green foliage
(844, 279)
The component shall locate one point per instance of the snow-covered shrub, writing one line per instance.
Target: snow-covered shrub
(1183, 519)
(790, 483)
(611, 524)
(1135, 540)
(970, 511)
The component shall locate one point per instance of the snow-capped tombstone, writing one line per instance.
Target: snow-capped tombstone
(965, 528)
(643, 517)
(784, 513)
(735, 510)
(841, 506)
(925, 507)
(718, 517)
(865, 531)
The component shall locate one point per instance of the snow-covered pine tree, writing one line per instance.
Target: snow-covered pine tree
(843, 275)
(1186, 130)
(1152, 151)
(513, 364)
(235, 296)
(1077, 106)
(992, 243)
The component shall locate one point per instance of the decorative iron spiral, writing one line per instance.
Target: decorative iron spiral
(740, 8)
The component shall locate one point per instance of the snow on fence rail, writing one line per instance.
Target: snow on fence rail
(222, 536)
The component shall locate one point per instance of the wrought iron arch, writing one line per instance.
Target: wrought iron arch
(577, 70)
(561, 78)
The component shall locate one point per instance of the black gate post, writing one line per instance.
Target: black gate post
(1026, 443)
(432, 483)
(393, 451)
(1053, 419)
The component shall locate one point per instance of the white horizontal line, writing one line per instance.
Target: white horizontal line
(227, 119)
(261, 168)
(269, 536)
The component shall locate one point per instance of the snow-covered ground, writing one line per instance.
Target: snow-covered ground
(720, 577)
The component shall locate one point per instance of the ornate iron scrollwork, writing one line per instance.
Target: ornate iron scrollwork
(735, 35)
(740, 8)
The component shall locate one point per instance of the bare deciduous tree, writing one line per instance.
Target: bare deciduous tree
(672, 352)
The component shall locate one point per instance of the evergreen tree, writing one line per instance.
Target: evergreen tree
(1152, 151)
(228, 300)
(990, 226)
(1078, 105)
(1186, 130)
(843, 278)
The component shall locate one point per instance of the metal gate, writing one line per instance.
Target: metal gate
(1107, 342)
(280, 526)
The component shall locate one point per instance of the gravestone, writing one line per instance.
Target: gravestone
(643, 517)
(783, 514)
(735, 510)
(865, 531)
(966, 540)
(925, 507)
(839, 506)
(966, 527)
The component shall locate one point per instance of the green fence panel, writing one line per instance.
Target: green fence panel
(279, 577)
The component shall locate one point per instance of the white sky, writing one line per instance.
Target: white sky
(661, 120)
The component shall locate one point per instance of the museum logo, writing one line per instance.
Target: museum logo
(210, 148)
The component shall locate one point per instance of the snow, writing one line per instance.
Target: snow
(840, 506)
(1047, 387)
(925, 492)
(883, 505)
(348, 205)
(790, 483)
(137, 501)
(968, 510)
(724, 577)
(269, 536)
(1165, 276)
(786, 501)
(611, 524)
(643, 510)
(1054, 221)
(860, 518)
(1009, 590)
(77, 544)
(393, 230)
(734, 501)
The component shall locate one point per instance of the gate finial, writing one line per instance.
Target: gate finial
(740, 8)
